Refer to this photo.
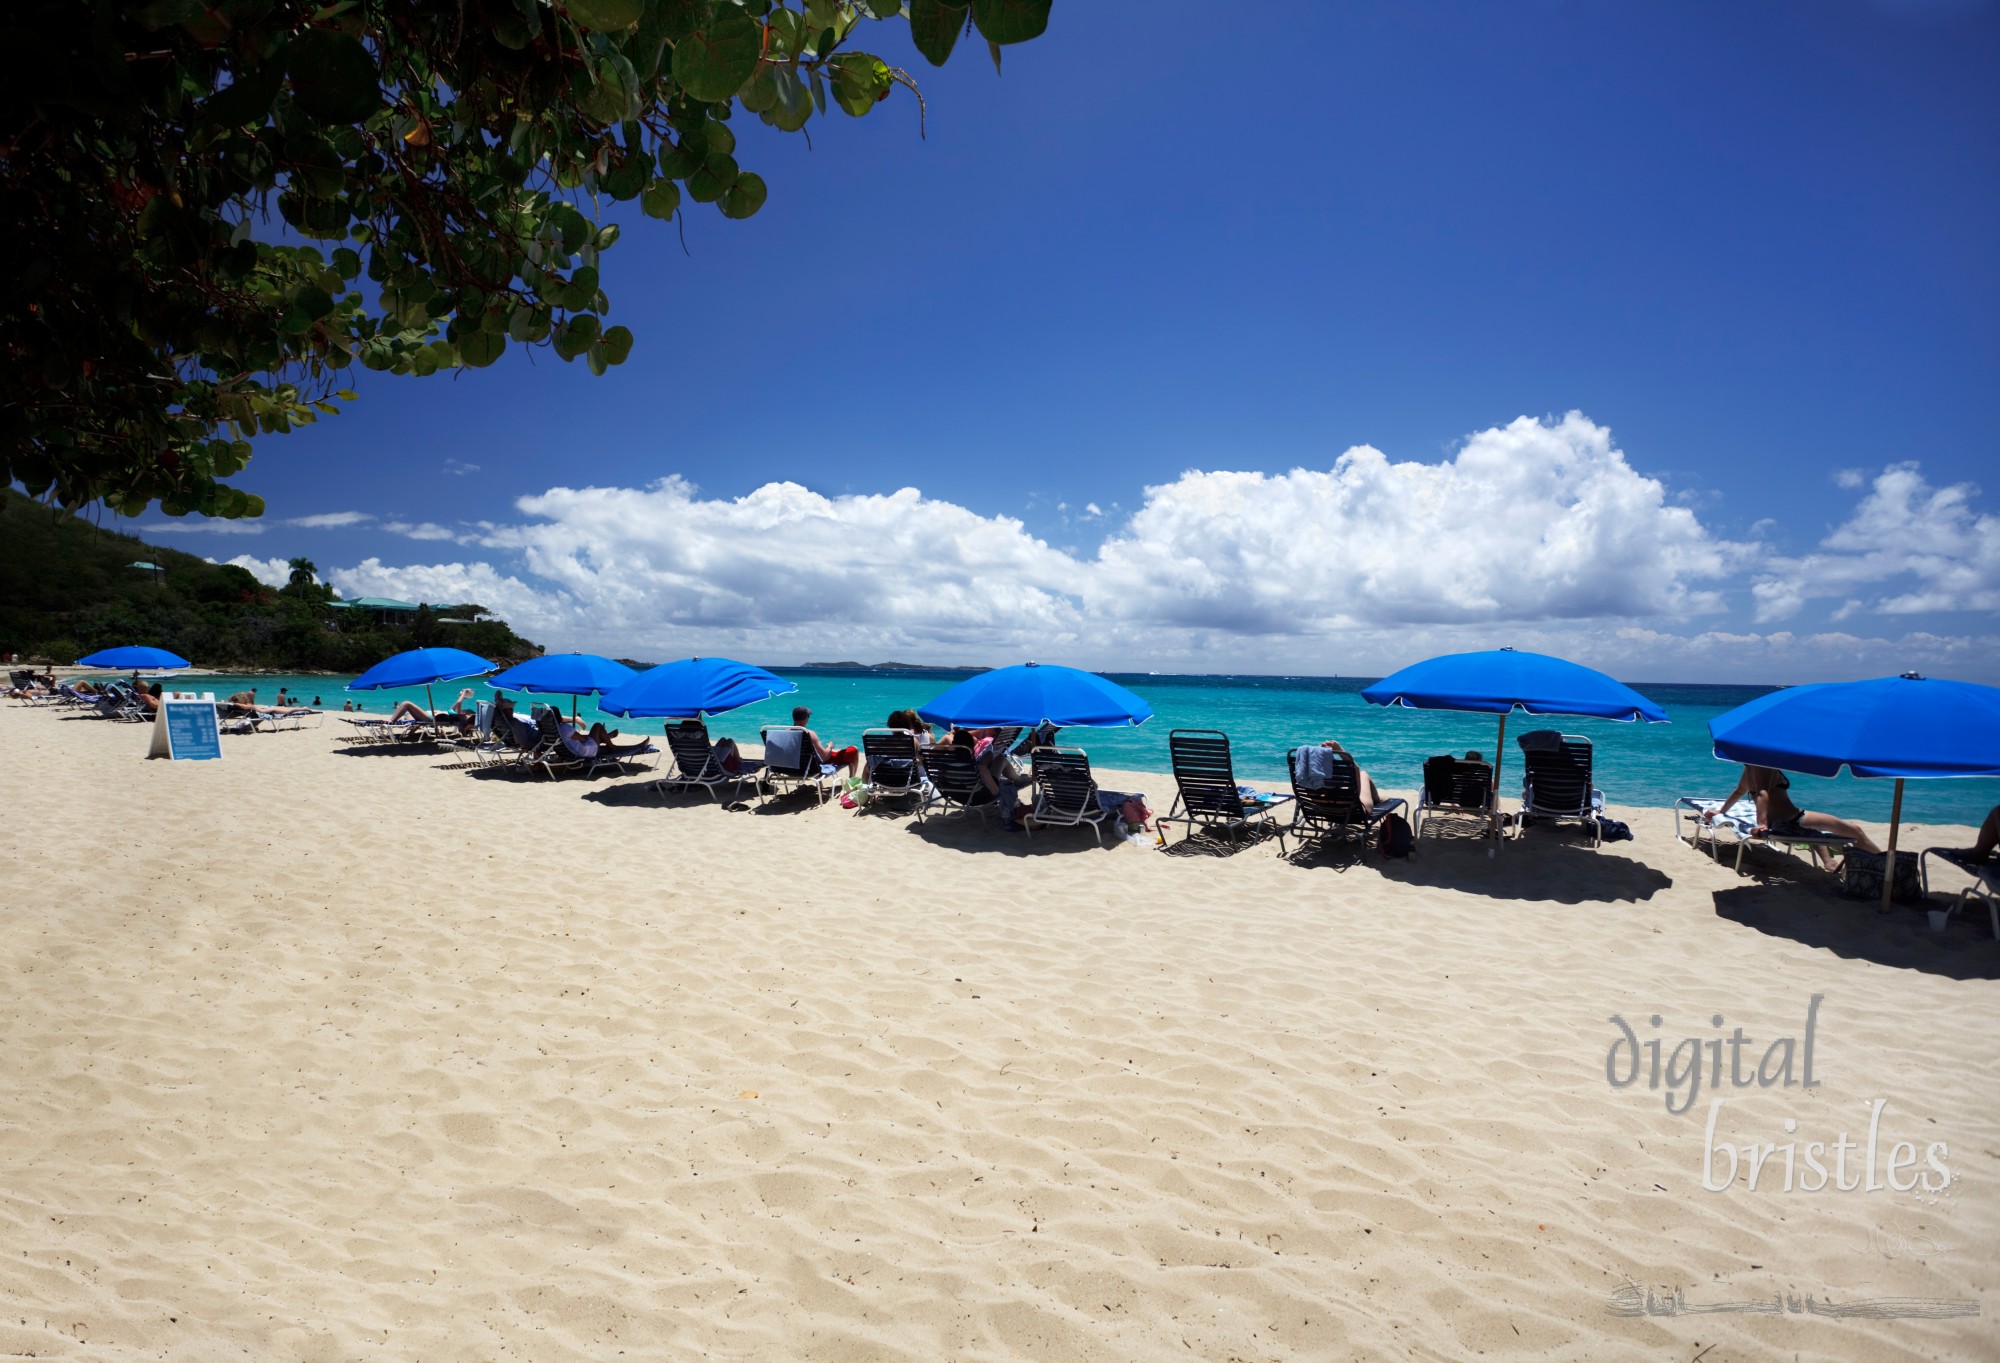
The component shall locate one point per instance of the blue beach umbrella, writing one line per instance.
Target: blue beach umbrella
(421, 667)
(1895, 727)
(1032, 694)
(135, 658)
(1500, 681)
(693, 687)
(564, 674)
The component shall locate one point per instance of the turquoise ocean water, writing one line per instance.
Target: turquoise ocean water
(1637, 764)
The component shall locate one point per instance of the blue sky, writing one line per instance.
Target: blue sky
(1750, 245)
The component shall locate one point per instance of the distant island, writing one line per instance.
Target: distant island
(893, 667)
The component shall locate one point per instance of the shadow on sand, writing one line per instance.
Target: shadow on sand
(1549, 865)
(971, 833)
(1808, 912)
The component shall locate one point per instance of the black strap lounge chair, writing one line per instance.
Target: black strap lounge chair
(552, 756)
(953, 780)
(889, 757)
(789, 760)
(696, 764)
(1065, 791)
(1326, 793)
(1208, 795)
(1453, 786)
(1985, 887)
(1556, 781)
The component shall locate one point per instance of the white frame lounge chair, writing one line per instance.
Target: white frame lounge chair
(1739, 821)
(1065, 792)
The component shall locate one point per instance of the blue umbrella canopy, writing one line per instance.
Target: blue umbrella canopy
(1896, 727)
(563, 674)
(693, 687)
(1033, 694)
(421, 667)
(1906, 726)
(1503, 680)
(136, 657)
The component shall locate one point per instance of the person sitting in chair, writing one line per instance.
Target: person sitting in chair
(1778, 816)
(848, 758)
(1364, 784)
(913, 725)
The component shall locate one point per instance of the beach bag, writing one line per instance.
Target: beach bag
(1861, 877)
(1134, 812)
(1611, 830)
(1395, 838)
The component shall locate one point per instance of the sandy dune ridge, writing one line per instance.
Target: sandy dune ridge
(315, 1054)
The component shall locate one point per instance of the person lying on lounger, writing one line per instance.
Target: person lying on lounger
(1364, 784)
(998, 771)
(724, 750)
(242, 705)
(1778, 816)
(1989, 838)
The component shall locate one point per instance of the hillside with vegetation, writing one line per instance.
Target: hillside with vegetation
(68, 588)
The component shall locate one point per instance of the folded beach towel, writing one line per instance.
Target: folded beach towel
(1313, 767)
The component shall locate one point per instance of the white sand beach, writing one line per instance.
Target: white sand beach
(316, 1054)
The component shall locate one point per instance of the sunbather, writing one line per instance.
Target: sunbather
(911, 723)
(723, 750)
(998, 772)
(1777, 815)
(409, 709)
(1989, 837)
(242, 705)
(1365, 792)
(848, 757)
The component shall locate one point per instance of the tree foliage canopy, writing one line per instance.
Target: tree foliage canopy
(459, 156)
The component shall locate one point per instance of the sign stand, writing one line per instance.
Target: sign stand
(187, 728)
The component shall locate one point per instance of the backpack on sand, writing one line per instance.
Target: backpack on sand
(1395, 838)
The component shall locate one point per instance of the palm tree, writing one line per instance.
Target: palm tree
(305, 576)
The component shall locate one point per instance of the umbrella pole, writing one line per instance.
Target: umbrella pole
(1499, 756)
(1889, 869)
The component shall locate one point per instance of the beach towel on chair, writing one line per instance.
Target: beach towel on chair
(781, 749)
(1315, 767)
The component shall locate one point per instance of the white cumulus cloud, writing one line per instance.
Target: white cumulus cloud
(1908, 547)
(272, 572)
(1536, 520)
(1535, 523)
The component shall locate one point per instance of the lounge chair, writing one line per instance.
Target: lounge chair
(952, 777)
(1326, 795)
(1453, 786)
(789, 760)
(1208, 795)
(889, 757)
(1065, 792)
(122, 704)
(555, 754)
(1739, 824)
(695, 764)
(1556, 781)
(1985, 887)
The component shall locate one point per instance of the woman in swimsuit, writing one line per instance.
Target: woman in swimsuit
(1777, 815)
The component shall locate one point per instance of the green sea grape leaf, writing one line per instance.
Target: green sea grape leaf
(713, 62)
(1010, 21)
(934, 28)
